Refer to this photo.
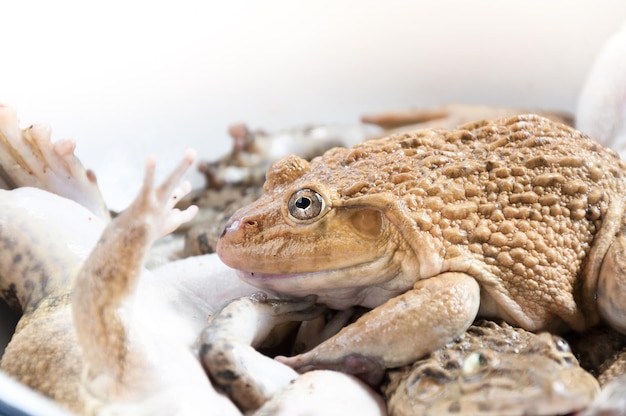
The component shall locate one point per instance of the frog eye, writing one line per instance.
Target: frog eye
(305, 205)
(476, 364)
(561, 344)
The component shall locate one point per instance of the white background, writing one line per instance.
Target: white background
(130, 78)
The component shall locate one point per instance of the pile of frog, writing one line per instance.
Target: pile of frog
(492, 368)
(374, 263)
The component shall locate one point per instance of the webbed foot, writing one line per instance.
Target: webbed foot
(28, 157)
(366, 368)
(156, 205)
(315, 332)
(396, 333)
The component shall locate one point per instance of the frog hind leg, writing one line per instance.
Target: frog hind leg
(110, 274)
(28, 157)
(436, 311)
(611, 291)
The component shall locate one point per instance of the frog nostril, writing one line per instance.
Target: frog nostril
(238, 226)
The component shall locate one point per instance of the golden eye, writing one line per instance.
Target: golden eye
(305, 204)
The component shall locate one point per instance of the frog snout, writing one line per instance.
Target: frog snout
(229, 227)
(235, 234)
(238, 228)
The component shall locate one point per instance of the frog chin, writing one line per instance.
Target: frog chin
(366, 285)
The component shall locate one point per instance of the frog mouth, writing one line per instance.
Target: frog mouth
(252, 277)
(362, 274)
(300, 285)
(368, 284)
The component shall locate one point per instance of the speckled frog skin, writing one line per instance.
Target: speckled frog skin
(529, 374)
(518, 218)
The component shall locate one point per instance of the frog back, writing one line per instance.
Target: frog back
(524, 204)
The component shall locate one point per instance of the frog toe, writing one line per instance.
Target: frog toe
(300, 309)
(30, 158)
(368, 369)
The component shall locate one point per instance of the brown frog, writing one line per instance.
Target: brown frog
(527, 373)
(451, 116)
(518, 218)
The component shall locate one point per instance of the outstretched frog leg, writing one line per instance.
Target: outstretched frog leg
(435, 312)
(109, 276)
(28, 157)
(227, 352)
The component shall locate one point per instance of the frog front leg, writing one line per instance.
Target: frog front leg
(433, 313)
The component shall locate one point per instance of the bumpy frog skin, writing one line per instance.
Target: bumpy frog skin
(493, 370)
(519, 218)
(99, 333)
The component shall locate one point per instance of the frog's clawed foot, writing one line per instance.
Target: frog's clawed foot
(28, 157)
(157, 204)
(367, 369)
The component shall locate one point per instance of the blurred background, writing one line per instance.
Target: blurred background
(126, 79)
